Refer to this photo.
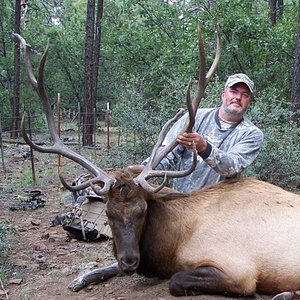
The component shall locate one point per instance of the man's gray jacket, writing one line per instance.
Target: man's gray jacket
(228, 153)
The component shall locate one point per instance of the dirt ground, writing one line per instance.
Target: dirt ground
(42, 259)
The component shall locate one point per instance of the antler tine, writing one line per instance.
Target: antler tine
(58, 147)
(148, 173)
(96, 189)
(28, 65)
(163, 133)
(158, 152)
(201, 84)
(203, 79)
(90, 183)
(73, 188)
(217, 58)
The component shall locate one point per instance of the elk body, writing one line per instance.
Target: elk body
(236, 237)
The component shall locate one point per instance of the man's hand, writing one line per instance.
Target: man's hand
(187, 140)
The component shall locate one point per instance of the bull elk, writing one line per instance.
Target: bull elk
(237, 237)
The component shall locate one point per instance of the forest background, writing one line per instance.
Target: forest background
(144, 53)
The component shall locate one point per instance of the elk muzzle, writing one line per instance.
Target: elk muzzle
(128, 256)
(129, 263)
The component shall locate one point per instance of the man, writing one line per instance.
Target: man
(226, 141)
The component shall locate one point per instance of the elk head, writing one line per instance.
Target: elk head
(127, 191)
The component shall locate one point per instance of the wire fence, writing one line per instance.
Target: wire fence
(69, 129)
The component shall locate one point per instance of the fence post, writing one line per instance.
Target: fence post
(58, 125)
(31, 150)
(79, 136)
(1, 142)
(95, 130)
(107, 121)
(119, 137)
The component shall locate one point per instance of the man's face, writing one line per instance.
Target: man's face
(236, 99)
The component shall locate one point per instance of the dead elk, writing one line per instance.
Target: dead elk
(235, 238)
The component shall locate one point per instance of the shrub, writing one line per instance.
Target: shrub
(278, 161)
(4, 245)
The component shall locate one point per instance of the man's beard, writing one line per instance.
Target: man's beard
(233, 111)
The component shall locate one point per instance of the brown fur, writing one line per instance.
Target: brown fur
(247, 229)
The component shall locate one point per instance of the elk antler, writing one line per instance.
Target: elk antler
(158, 152)
(58, 147)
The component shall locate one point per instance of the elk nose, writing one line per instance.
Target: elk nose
(129, 263)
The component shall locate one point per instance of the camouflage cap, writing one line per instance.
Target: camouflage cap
(240, 77)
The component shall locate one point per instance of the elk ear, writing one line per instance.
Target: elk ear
(167, 194)
(135, 170)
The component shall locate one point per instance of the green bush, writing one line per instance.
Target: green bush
(4, 244)
(140, 118)
(278, 161)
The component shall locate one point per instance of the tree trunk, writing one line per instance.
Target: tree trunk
(280, 5)
(6, 81)
(275, 10)
(295, 95)
(272, 11)
(97, 47)
(15, 122)
(92, 55)
(88, 101)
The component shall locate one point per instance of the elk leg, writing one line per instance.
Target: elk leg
(206, 280)
(287, 296)
(95, 276)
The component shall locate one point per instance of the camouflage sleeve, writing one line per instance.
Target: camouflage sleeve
(171, 161)
(238, 157)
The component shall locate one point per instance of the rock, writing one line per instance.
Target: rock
(20, 262)
(51, 240)
(40, 259)
(62, 252)
(45, 236)
(92, 265)
(15, 281)
(35, 222)
(39, 247)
